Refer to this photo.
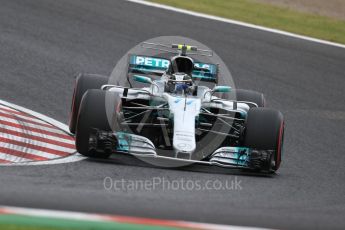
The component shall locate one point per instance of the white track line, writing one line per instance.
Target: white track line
(239, 23)
(52, 213)
(120, 219)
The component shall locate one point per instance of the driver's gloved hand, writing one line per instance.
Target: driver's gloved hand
(181, 87)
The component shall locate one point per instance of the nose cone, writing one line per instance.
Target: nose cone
(184, 145)
(185, 111)
(184, 142)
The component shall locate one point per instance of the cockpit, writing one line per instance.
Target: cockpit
(180, 75)
(182, 64)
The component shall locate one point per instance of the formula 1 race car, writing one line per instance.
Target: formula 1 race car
(169, 105)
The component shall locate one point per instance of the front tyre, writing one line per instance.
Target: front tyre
(265, 131)
(93, 115)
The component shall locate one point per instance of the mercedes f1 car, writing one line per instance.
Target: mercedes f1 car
(171, 106)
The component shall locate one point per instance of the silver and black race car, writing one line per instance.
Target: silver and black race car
(167, 104)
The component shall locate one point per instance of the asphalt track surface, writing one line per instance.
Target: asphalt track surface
(44, 43)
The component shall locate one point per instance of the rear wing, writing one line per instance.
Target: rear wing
(205, 72)
(150, 65)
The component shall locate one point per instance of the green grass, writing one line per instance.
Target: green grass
(19, 222)
(21, 227)
(267, 15)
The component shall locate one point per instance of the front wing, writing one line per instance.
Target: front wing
(142, 147)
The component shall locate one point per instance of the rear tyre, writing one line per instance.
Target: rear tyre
(83, 83)
(265, 131)
(93, 115)
(250, 96)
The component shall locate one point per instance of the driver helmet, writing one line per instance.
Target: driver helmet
(179, 83)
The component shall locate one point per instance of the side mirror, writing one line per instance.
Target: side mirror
(221, 89)
(142, 79)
